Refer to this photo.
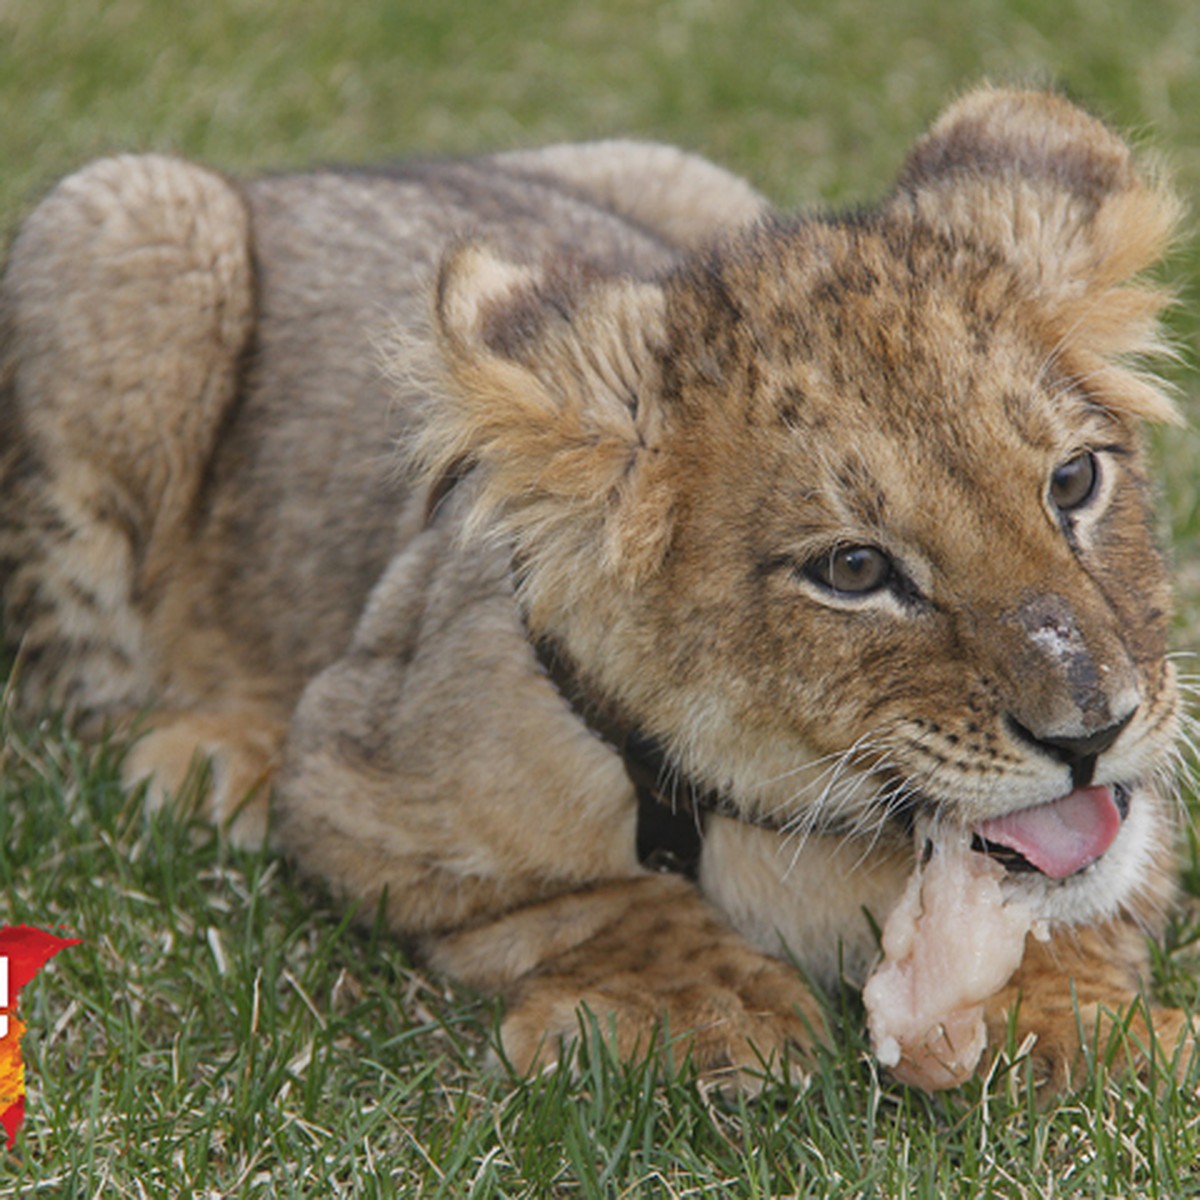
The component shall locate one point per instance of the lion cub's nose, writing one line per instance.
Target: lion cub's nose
(1078, 753)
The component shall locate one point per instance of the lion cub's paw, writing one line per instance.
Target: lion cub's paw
(736, 1014)
(1176, 1044)
(1149, 1042)
(1130, 1039)
(241, 752)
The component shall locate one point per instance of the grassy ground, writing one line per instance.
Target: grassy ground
(221, 1031)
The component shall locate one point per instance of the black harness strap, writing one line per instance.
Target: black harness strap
(672, 810)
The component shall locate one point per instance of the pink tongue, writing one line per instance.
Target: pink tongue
(1061, 837)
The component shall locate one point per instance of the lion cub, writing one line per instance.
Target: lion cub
(609, 574)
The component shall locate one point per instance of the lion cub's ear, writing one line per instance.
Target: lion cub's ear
(552, 392)
(1033, 178)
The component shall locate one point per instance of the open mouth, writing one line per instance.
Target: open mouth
(1060, 838)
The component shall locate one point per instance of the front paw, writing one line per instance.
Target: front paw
(241, 752)
(1126, 1036)
(729, 1010)
(1074, 1002)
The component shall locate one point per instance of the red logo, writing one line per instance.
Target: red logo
(23, 953)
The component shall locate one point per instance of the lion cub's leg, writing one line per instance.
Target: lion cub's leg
(125, 307)
(653, 964)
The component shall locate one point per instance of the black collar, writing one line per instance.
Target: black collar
(673, 810)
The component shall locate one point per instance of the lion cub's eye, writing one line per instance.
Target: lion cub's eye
(853, 570)
(1073, 484)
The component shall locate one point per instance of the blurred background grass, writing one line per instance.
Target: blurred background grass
(815, 100)
(153, 1063)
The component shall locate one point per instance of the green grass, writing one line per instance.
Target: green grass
(222, 1030)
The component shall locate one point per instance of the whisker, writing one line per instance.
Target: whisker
(857, 753)
(894, 787)
(828, 760)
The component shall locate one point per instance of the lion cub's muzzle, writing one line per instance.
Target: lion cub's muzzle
(1068, 834)
(1073, 691)
(1078, 754)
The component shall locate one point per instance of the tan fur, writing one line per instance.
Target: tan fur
(240, 750)
(296, 467)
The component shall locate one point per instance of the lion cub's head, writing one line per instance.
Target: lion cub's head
(851, 512)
